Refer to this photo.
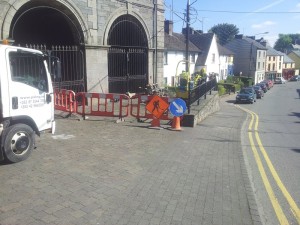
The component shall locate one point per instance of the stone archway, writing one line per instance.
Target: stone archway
(44, 25)
(53, 28)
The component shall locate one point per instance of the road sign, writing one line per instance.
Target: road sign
(157, 106)
(177, 107)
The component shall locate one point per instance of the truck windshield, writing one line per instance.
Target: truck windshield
(28, 68)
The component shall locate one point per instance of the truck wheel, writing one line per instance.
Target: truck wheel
(18, 142)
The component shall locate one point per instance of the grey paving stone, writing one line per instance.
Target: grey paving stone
(125, 173)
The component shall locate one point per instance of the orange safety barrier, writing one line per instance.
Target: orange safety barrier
(64, 100)
(139, 111)
(100, 104)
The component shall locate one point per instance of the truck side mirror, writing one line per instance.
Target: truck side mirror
(56, 68)
(48, 98)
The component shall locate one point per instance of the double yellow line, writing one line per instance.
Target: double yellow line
(277, 208)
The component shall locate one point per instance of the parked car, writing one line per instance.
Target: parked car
(263, 87)
(269, 83)
(259, 91)
(279, 80)
(295, 78)
(247, 95)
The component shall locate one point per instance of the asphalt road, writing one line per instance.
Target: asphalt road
(279, 131)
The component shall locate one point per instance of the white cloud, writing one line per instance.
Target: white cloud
(263, 24)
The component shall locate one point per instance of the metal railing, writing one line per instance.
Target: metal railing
(200, 91)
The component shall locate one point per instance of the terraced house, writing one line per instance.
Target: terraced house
(249, 57)
(295, 56)
(105, 46)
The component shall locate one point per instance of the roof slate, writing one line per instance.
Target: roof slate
(176, 42)
(203, 42)
(272, 52)
(224, 51)
(287, 59)
(296, 52)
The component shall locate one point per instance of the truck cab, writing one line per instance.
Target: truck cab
(26, 100)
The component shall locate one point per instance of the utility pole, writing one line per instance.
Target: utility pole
(155, 42)
(187, 36)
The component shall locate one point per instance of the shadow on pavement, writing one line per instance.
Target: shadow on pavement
(295, 114)
(296, 150)
(230, 101)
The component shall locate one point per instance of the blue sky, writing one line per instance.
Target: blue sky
(251, 17)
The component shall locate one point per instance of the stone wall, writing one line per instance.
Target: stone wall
(199, 112)
(94, 18)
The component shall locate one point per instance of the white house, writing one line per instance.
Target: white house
(226, 62)
(209, 57)
(203, 54)
(174, 55)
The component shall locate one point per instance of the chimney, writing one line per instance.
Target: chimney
(169, 27)
(198, 31)
(191, 31)
(263, 42)
(251, 37)
(238, 36)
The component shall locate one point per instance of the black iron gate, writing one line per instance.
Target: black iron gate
(73, 66)
(127, 69)
(127, 56)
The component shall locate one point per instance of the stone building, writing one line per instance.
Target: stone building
(105, 46)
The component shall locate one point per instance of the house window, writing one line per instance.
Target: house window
(263, 65)
(273, 58)
(269, 67)
(193, 58)
(258, 65)
(269, 58)
(165, 58)
(259, 54)
(273, 66)
(213, 60)
(279, 65)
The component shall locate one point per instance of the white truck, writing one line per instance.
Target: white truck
(26, 100)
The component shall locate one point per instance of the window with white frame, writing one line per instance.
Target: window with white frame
(165, 58)
(193, 58)
(213, 59)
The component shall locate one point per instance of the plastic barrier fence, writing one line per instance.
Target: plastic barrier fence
(100, 104)
(108, 105)
(64, 100)
(139, 111)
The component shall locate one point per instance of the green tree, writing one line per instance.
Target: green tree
(225, 32)
(283, 43)
(295, 38)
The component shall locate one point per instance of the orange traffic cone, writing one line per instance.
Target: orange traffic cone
(176, 123)
(155, 123)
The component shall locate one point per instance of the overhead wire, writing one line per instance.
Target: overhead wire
(245, 12)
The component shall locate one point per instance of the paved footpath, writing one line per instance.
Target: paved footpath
(96, 172)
